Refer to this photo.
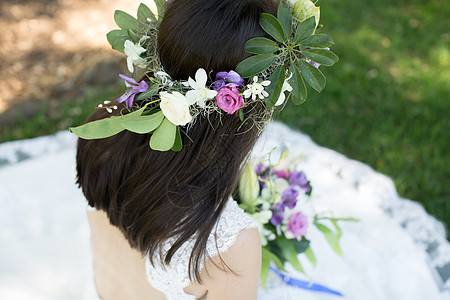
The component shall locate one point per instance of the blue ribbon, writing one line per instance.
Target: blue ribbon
(304, 284)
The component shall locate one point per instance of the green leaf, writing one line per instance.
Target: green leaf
(272, 26)
(300, 246)
(290, 254)
(311, 257)
(264, 271)
(161, 6)
(266, 254)
(125, 21)
(98, 129)
(261, 45)
(163, 138)
(321, 56)
(241, 115)
(332, 238)
(142, 124)
(145, 13)
(276, 84)
(318, 41)
(284, 16)
(304, 30)
(117, 39)
(150, 92)
(313, 76)
(299, 93)
(178, 145)
(255, 64)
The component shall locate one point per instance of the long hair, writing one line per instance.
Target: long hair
(152, 196)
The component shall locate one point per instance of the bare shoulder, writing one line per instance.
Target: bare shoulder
(240, 280)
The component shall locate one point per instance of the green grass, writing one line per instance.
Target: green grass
(66, 113)
(387, 101)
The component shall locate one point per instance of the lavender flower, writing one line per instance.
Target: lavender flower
(298, 224)
(260, 168)
(227, 79)
(289, 197)
(277, 214)
(133, 88)
(299, 179)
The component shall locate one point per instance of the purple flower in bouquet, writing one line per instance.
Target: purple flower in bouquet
(282, 174)
(133, 88)
(277, 214)
(299, 179)
(289, 197)
(298, 224)
(227, 79)
(260, 168)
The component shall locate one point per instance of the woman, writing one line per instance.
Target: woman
(168, 215)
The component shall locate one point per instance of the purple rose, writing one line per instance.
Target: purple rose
(299, 179)
(227, 79)
(282, 174)
(277, 214)
(260, 168)
(289, 197)
(298, 224)
(229, 100)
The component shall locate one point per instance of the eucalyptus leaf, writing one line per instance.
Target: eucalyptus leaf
(117, 38)
(261, 45)
(276, 85)
(299, 92)
(255, 64)
(178, 144)
(99, 129)
(321, 56)
(311, 257)
(313, 76)
(150, 92)
(272, 26)
(300, 246)
(305, 29)
(161, 6)
(284, 16)
(331, 237)
(163, 138)
(125, 21)
(142, 124)
(145, 13)
(318, 41)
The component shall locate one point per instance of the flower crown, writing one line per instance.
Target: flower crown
(276, 71)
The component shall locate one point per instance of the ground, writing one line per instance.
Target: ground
(50, 50)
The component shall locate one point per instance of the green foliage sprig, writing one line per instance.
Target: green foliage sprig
(294, 49)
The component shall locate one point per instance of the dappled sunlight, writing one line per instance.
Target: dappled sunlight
(46, 45)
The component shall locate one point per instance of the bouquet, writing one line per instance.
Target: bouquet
(276, 198)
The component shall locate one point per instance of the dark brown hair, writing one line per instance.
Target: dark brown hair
(150, 195)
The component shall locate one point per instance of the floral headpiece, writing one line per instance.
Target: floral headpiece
(276, 72)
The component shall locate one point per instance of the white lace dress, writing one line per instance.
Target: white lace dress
(171, 280)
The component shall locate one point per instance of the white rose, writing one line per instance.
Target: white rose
(175, 108)
(133, 52)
